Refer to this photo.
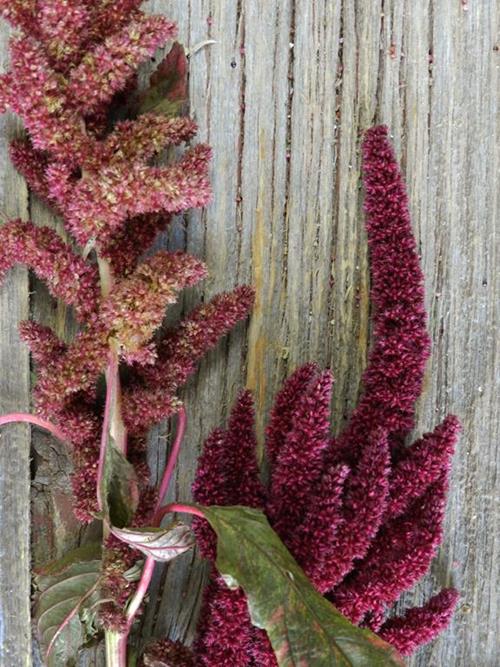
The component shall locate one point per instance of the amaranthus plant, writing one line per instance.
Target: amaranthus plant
(361, 514)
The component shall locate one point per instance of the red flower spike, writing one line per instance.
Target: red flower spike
(228, 473)
(209, 488)
(393, 378)
(76, 370)
(299, 463)
(43, 343)
(399, 556)
(67, 275)
(313, 542)
(109, 16)
(260, 650)
(124, 248)
(420, 624)
(364, 503)
(280, 421)
(107, 69)
(240, 455)
(374, 521)
(5, 91)
(166, 653)
(225, 630)
(422, 464)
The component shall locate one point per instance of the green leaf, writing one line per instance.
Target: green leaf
(305, 630)
(162, 544)
(168, 91)
(120, 491)
(65, 589)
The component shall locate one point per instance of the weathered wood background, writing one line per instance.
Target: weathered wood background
(283, 96)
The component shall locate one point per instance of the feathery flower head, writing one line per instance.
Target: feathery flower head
(360, 514)
(137, 305)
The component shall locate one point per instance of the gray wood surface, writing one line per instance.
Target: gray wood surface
(283, 96)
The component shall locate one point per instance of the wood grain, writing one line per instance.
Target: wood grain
(283, 97)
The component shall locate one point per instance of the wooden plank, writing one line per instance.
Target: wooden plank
(15, 632)
(283, 97)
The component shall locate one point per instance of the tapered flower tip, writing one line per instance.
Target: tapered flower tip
(376, 135)
(422, 464)
(421, 624)
(284, 407)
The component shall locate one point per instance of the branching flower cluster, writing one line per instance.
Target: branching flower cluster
(362, 513)
(70, 61)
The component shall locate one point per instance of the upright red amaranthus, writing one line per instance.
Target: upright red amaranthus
(70, 61)
(361, 513)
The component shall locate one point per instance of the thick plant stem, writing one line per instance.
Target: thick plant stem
(116, 425)
(116, 649)
(113, 428)
(172, 460)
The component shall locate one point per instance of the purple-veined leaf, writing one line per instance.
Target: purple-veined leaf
(162, 544)
(65, 588)
(304, 628)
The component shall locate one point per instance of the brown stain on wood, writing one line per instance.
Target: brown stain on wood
(287, 216)
(257, 343)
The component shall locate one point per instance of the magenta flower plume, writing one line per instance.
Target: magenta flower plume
(361, 513)
(63, 27)
(364, 502)
(299, 463)
(141, 139)
(393, 378)
(420, 624)
(100, 204)
(225, 631)
(167, 653)
(39, 97)
(280, 421)
(422, 464)
(20, 13)
(399, 556)
(229, 475)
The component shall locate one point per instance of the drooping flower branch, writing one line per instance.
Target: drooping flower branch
(361, 513)
(71, 64)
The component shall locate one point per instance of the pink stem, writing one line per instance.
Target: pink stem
(111, 387)
(177, 507)
(122, 649)
(172, 460)
(17, 417)
(142, 589)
